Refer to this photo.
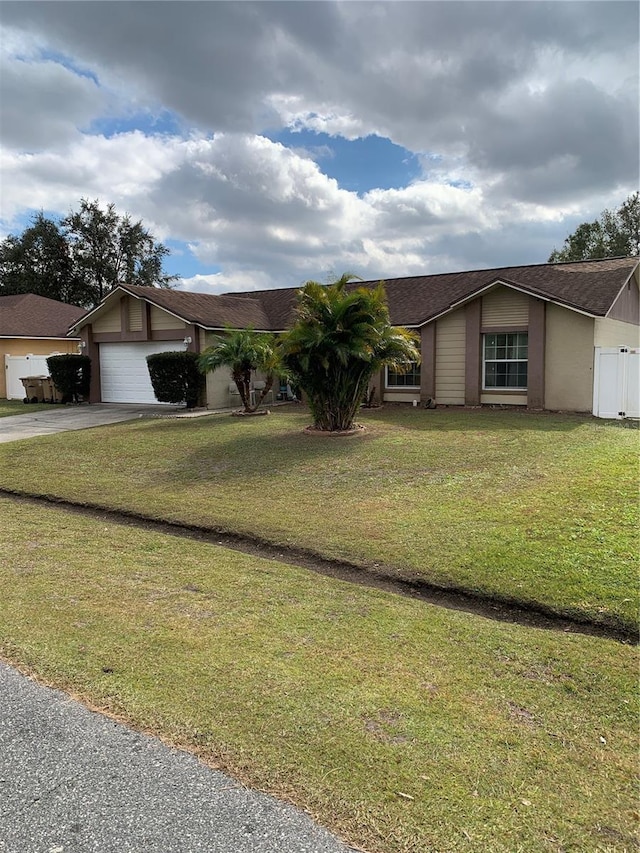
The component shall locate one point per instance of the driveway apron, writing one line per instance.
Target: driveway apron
(45, 422)
(75, 781)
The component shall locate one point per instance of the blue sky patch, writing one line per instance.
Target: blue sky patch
(357, 165)
(183, 262)
(69, 63)
(163, 123)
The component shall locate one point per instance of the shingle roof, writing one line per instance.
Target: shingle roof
(207, 309)
(590, 286)
(26, 315)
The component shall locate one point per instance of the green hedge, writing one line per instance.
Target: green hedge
(176, 378)
(71, 374)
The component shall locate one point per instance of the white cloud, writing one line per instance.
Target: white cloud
(237, 281)
(121, 169)
(44, 104)
(521, 114)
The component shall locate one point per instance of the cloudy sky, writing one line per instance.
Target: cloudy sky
(268, 143)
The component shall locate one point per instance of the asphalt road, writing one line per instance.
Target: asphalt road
(74, 781)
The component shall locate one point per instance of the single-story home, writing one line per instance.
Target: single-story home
(523, 336)
(32, 328)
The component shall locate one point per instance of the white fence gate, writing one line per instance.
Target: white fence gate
(17, 366)
(616, 382)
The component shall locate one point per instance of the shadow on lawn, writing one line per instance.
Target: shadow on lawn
(241, 448)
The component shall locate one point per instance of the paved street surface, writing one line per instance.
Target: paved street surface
(73, 781)
(48, 422)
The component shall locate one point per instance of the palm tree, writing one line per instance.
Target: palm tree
(342, 337)
(244, 351)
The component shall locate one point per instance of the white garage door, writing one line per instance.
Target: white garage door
(124, 376)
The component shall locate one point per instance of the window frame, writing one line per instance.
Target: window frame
(504, 389)
(414, 370)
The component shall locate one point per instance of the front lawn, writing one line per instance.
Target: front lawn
(403, 726)
(538, 508)
(17, 407)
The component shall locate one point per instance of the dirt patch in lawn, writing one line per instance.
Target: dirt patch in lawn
(378, 576)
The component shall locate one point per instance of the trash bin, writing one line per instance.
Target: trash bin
(33, 388)
(50, 392)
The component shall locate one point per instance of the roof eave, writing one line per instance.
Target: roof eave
(87, 317)
(240, 329)
(41, 337)
(152, 301)
(130, 292)
(513, 286)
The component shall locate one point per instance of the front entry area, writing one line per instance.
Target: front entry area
(124, 377)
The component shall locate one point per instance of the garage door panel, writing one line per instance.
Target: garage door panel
(124, 376)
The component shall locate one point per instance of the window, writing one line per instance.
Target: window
(505, 361)
(409, 379)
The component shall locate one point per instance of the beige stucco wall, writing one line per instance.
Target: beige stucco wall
(218, 395)
(32, 346)
(568, 360)
(450, 354)
(217, 385)
(615, 333)
(218, 381)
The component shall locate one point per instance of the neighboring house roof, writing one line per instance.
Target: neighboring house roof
(590, 287)
(26, 315)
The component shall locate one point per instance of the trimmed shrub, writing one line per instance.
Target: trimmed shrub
(71, 374)
(176, 377)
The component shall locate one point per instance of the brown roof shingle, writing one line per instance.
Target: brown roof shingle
(590, 286)
(26, 315)
(207, 309)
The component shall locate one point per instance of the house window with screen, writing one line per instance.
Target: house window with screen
(505, 361)
(409, 379)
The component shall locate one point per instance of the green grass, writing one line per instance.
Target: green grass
(17, 407)
(542, 509)
(340, 698)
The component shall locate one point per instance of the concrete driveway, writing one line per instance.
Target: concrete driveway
(47, 422)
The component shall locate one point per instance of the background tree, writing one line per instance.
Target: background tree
(39, 261)
(341, 338)
(615, 234)
(81, 257)
(108, 249)
(244, 351)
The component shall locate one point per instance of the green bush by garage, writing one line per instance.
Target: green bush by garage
(176, 378)
(71, 375)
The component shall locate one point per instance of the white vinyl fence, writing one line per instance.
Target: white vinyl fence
(17, 366)
(616, 382)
